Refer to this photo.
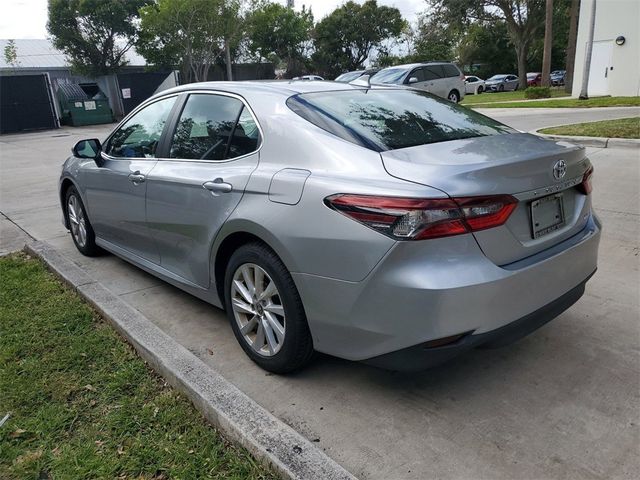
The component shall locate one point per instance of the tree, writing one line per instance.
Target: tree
(485, 49)
(522, 17)
(11, 54)
(279, 33)
(193, 34)
(94, 34)
(347, 36)
(548, 43)
(571, 45)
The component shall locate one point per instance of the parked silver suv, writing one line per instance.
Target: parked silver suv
(439, 78)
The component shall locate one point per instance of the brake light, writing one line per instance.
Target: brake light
(422, 218)
(586, 187)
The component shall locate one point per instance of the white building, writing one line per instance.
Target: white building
(615, 57)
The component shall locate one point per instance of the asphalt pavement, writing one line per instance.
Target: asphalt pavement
(562, 403)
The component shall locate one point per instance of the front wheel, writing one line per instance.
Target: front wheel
(81, 230)
(453, 96)
(265, 310)
(480, 89)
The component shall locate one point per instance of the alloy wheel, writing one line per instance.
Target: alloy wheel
(257, 309)
(77, 221)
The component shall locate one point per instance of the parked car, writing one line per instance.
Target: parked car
(440, 78)
(534, 79)
(473, 85)
(379, 224)
(350, 76)
(501, 83)
(557, 77)
(308, 77)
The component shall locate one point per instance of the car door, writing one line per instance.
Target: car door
(471, 84)
(512, 82)
(439, 84)
(115, 191)
(416, 79)
(212, 152)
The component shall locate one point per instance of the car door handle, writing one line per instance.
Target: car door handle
(136, 178)
(218, 185)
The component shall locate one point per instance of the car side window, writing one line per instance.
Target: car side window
(245, 136)
(450, 70)
(204, 127)
(138, 137)
(433, 72)
(472, 79)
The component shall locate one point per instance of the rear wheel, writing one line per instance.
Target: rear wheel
(265, 310)
(81, 231)
(454, 96)
(480, 89)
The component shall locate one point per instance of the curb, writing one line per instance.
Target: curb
(240, 418)
(599, 142)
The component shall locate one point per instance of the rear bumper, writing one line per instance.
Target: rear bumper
(424, 291)
(420, 357)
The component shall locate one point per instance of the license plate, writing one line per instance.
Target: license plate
(547, 215)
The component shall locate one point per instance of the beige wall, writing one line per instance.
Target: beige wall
(613, 18)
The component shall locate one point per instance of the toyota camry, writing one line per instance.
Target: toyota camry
(378, 224)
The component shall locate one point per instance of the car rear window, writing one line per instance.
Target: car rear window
(451, 70)
(389, 119)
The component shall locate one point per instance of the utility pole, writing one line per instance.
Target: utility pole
(548, 42)
(227, 53)
(584, 95)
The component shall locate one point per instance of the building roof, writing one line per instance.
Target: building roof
(41, 54)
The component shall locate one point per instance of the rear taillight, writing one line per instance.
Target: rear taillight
(417, 218)
(585, 186)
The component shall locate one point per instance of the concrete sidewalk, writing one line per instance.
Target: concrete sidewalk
(562, 403)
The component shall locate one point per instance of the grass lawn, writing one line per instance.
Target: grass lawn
(565, 103)
(505, 96)
(83, 404)
(622, 128)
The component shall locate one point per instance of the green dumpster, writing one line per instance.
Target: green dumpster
(83, 104)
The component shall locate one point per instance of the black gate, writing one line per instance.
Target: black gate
(135, 88)
(26, 103)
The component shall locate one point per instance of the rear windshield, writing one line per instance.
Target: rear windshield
(388, 119)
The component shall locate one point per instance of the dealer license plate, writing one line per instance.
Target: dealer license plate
(547, 215)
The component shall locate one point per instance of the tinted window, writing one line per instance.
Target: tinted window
(472, 79)
(391, 119)
(417, 73)
(204, 127)
(138, 137)
(433, 72)
(451, 70)
(389, 75)
(245, 136)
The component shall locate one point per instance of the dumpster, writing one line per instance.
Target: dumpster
(83, 104)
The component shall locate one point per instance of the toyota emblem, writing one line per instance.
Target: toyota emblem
(559, 169)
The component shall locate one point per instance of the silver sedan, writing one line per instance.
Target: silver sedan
(376, 224)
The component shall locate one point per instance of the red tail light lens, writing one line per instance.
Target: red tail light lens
(417, 219)
(586, 187)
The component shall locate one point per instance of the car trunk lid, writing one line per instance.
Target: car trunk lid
(518, 164)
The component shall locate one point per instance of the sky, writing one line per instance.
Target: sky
(28, 18)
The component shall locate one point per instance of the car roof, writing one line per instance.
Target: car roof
(419, 64)
(285, 87)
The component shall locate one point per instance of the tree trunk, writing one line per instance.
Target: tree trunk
(571, 45)
(227, 52)
(522, 49)
(584, 89)
(548, 41)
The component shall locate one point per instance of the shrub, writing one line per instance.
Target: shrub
(537, 92)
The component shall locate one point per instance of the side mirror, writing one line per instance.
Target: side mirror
(87, 149)
(413, 80)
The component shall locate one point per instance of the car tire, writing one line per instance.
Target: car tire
(285, 344)
(501, 88)
(81, 230)
(480, 89)
(453, 96)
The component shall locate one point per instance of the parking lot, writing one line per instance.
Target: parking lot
(563, 402)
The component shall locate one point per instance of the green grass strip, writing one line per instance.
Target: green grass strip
(620, 128)
(83, 404)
